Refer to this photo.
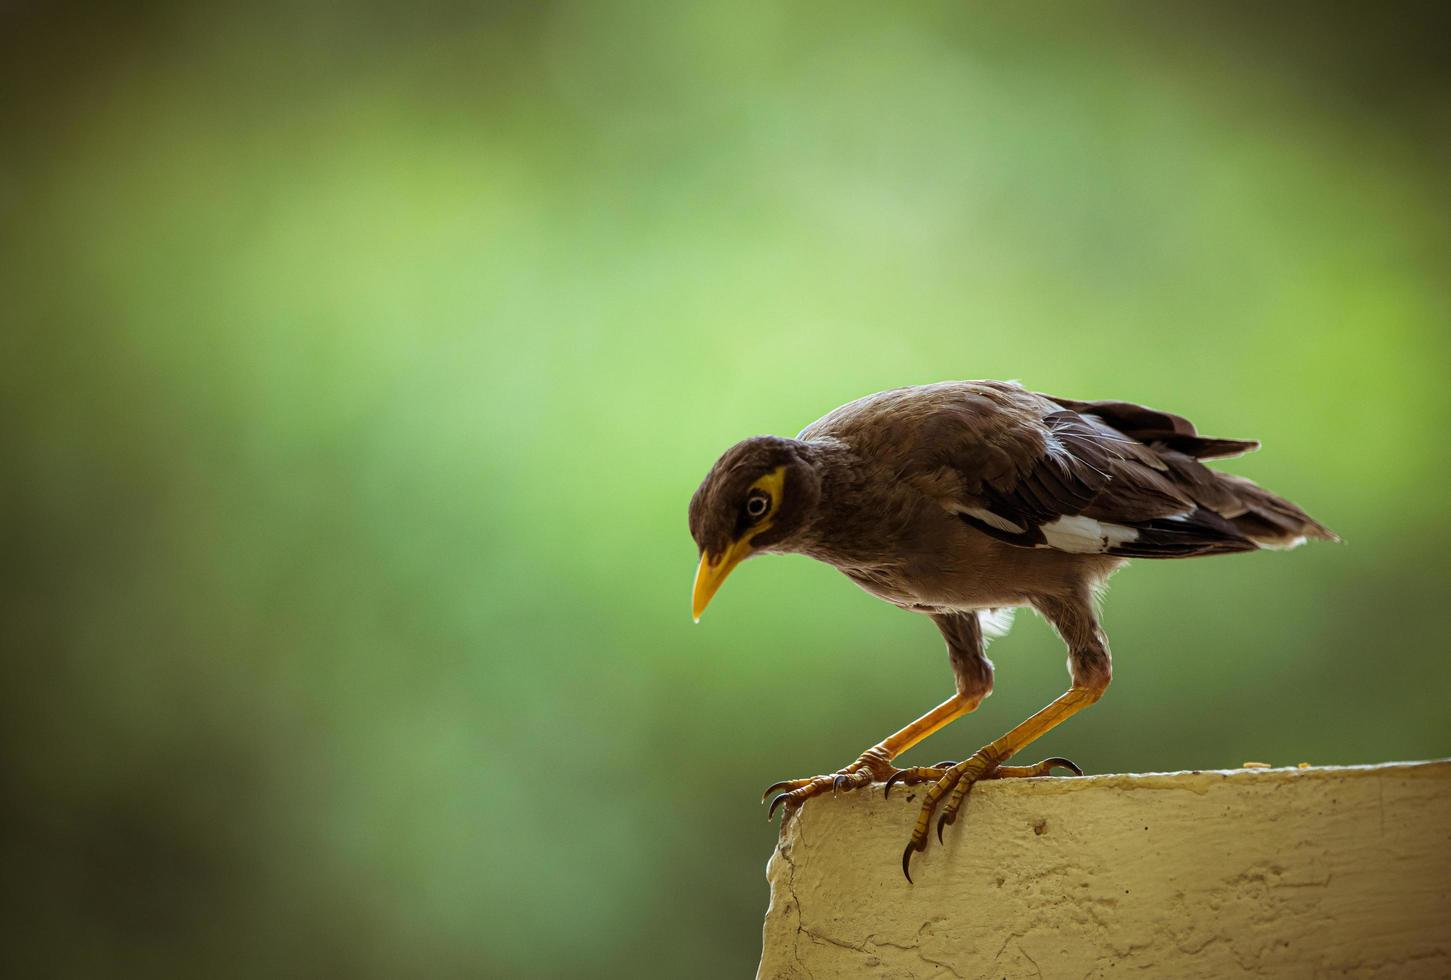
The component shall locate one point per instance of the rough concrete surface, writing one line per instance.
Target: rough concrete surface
(1322, 872)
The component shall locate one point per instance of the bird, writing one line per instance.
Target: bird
(964, 501)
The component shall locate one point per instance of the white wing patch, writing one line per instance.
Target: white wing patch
(1081, 535)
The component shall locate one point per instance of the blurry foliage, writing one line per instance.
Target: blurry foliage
(360, 361)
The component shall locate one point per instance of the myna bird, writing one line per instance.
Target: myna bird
(963, 501)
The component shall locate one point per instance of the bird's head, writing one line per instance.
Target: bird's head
(755, 498)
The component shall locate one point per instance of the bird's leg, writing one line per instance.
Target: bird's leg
(876, 762)
(1091, 667)
(973, 673)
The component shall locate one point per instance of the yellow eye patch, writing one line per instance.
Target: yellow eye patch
(771, 484)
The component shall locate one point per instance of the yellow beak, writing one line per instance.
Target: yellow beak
(710, 574)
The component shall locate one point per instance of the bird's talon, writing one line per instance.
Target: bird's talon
(1037, 769)
(787, 784)
(859, 773)
(912, 775)
(775, 803)
(907, 860)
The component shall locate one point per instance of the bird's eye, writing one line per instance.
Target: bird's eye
(757, 504)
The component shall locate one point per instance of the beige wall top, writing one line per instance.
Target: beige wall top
(1261, 872)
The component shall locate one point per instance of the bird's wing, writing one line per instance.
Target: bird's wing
(1268, 520)
(1032, 471)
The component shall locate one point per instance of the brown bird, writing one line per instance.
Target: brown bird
(965, 500)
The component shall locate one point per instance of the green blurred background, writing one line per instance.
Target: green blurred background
(360, 360)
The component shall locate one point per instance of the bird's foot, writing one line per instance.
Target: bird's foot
(955, 781)
(872, 766)
(913, 775)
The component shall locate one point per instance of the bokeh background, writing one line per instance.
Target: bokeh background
(359, 361)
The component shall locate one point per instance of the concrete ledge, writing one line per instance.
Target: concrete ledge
(1335, 871)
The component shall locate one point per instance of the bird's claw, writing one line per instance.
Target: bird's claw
(867, 769)
(955, 781)
(907, 859)
(787, 784)
(1044, 768)
(798, 791)
(775, 803)
(913, 775)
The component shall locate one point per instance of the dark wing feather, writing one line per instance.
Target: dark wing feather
(1268, 520)
(1150, 426)
(1086, 477)
(1092, 490)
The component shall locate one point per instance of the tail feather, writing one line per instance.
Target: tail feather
(1271, 521)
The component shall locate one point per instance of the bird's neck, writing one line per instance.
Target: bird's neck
(852, 524)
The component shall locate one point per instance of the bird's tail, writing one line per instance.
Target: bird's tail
(1268, 520)
(1240, 511)
(1233, 513)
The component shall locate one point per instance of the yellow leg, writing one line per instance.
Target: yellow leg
(875, 762)
(939, 717)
